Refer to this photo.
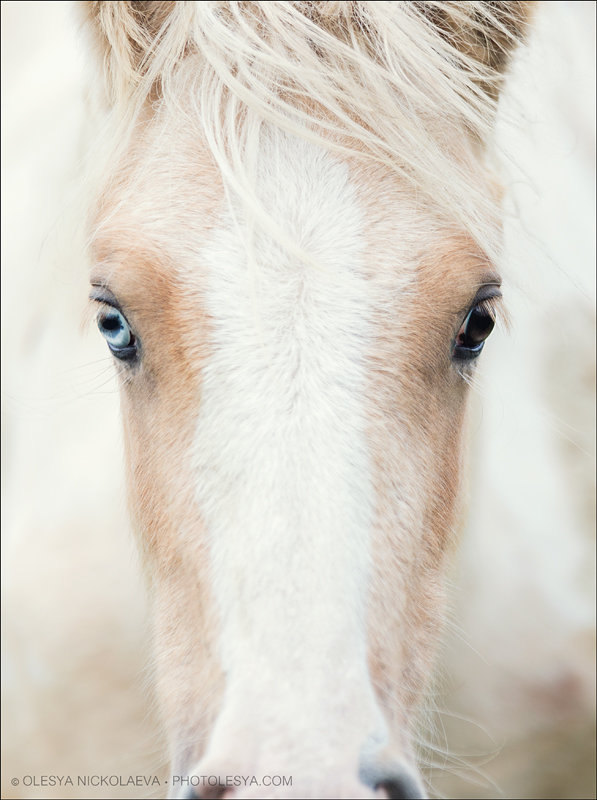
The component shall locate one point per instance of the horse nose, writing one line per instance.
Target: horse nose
(210, 792)
(401, 786)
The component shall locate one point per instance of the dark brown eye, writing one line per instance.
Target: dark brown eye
(473, 332)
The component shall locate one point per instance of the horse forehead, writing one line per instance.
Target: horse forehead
(308, 207)
(304, 195)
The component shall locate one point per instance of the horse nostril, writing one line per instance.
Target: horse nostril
(210, 792)
(401, 787)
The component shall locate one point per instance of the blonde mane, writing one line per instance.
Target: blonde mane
(401, 84)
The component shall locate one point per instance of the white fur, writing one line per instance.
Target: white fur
(281, 456)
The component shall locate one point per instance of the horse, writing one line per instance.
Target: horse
(75, 698)
(295, 245)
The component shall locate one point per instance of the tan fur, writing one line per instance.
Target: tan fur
(418, 405)
(487, 40)
(159, 409)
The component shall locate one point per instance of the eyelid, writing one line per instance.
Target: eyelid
(489, 291)
(101, 294)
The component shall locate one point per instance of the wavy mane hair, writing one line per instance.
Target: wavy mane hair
(399, 83)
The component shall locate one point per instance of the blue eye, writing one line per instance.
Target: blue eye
(116, 331)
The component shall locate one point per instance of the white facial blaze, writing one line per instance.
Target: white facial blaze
(283, 470)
